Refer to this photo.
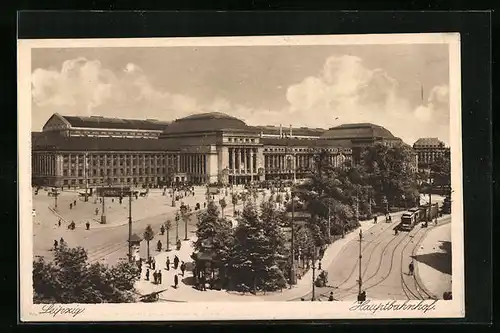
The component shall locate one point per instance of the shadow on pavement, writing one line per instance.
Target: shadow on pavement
(440, 261)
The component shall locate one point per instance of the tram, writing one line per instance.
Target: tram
(408, 220)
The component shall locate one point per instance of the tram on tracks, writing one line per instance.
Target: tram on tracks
(408, 220)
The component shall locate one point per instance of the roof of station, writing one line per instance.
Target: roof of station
(207, 122)
(358, 131)
(113, 123)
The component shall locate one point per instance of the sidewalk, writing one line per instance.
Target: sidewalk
(304, 285)
(185, 292)
(433, 260)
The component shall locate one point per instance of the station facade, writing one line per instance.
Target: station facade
(201, 148)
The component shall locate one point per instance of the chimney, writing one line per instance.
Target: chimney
(281, 131)
(290, 130)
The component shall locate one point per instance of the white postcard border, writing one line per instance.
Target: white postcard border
(195, 311)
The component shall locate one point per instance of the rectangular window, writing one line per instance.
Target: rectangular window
(65, 172)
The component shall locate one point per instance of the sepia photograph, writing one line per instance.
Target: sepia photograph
(206, 178)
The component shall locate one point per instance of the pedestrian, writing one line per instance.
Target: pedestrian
(205, 204)
(319, 265)
(59, 223)
(155, 277)
(87, 225)
(147, 274)
(55, 244)
(61, 241)
(183, 268)
(176, 281)
(159, 277)
(411, 267)
(153, 263)
(158, 246)
(74, 203)
(168, 263)
(162, 230)
(176, 262)
(203, 283)
(70, 206)
(330, 299)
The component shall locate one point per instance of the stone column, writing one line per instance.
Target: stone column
(238, 156)
(233, 159)
(251, 164)
(243, 160)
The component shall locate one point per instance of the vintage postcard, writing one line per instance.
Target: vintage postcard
(241, 178)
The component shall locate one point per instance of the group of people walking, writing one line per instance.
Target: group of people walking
(157, 275)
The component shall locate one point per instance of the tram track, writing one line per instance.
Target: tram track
(363, 251)
(346, 292)
(418, 291)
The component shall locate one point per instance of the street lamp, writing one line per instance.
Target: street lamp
(292, 267)
(314, 274)
(55, 193)
(85, 170)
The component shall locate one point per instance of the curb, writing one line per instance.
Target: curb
(308, 275)
(417, 276)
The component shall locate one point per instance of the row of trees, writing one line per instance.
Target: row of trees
(70, 278)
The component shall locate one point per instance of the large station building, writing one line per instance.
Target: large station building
(202, 148)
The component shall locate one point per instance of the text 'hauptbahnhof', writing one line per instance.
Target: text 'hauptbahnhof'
(202, 148)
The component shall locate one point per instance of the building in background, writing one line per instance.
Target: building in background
(429, 150)
(202, 148)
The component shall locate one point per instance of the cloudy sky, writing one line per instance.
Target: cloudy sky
(401, 87)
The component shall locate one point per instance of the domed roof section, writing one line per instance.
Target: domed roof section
(206, 122)
(358, 131)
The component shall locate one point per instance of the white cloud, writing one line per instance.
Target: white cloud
(344, 91)
(84, 87)
(351, 92)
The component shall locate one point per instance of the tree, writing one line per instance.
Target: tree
(388, 170)
(177, 219)
(258, 251)
(304, 244)
(148, 235)
(255, 195)
(168, 226)
(216, 234)
(441, 172)
(234, 200)
(71, 279)
(223, 205)
(279, 198)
